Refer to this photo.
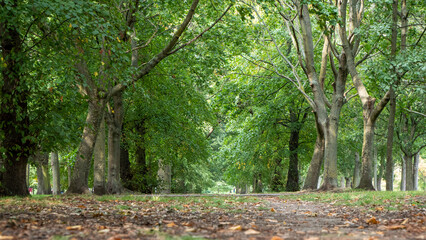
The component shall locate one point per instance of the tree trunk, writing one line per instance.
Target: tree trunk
(56, 190)
(80, 174)
(409, 176)
(43, 176)
(69, 172)
(357, 171)
(293, 168)
(367, 157)
(14, 118)
(348, 182)
(99, 162)
(403, 174)
(312, 177)
(115, 120)
(276, 183)
(27, 177)
(389, 142)
(164, 177)
(342, 182)
(125, 171)
(416, 172)
(375, 168)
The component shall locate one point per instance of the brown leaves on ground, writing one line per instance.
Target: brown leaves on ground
(210, 217)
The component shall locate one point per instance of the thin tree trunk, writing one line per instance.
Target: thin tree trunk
(416, 172)
(389, 143)
(125, 171)
(357, 171)
(99, 162)
(69, 168)
(403, 174)
(56, 190)
(276, 183)
(375, 167)
(348, 182)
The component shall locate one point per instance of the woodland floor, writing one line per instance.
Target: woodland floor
(208, 217)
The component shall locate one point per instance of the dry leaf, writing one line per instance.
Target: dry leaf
(104, 231)
(190, 230)
(395, 227)
(379, 209)
(405, 221)
(273, 210)
(236, 228)
(360, 227)
(276, 238)
(6, 237)
(172, 224)
(76, 227)
(284, 223)
(372, 220)
(271, 220)
(251, 232)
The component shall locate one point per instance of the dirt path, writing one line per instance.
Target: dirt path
(213, 217)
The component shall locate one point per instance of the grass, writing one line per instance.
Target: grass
(389, 200)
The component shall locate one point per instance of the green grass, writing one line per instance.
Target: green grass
(389, 200)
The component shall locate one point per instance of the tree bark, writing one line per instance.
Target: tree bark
(43, 176)
(293, 168)
(276, 183)
(409, 176)
(389, 142)
(80, 175)
(115, 121)
(357, 171)
(56, 190)
(403, 174)
(164, 177)
(99, 162)
(14, 118)
(312, 177)
(416, 171)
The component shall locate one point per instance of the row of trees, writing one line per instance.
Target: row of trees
(144, 95)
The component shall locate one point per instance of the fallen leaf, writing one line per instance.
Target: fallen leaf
(271, 220)
(360, 227)
(236, 228)
(379, 209)
(405, 221)
(104, 231)
(395, 227)
(372, 220)
(7, 237)
(172, 224)
(251, 232)
(76, 227)
(273, 210)
(284, 223)
(190, 230)
(276, 238)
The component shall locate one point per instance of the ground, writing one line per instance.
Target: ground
(283, 216)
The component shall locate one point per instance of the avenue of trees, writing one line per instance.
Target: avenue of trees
(164, 96)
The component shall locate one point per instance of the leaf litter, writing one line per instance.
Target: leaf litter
(225, 217)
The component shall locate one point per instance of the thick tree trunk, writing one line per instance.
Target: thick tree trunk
(375, 168)
(367, 157)
(14, 118)
(164, 177)
(312, 177)
(416, 172)
(43, 176)
(115, 120)
(357, 171)
(80, 174)
(293, 168)
(56, 190)
(389, 142)
(409, 176)
(99, 162)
